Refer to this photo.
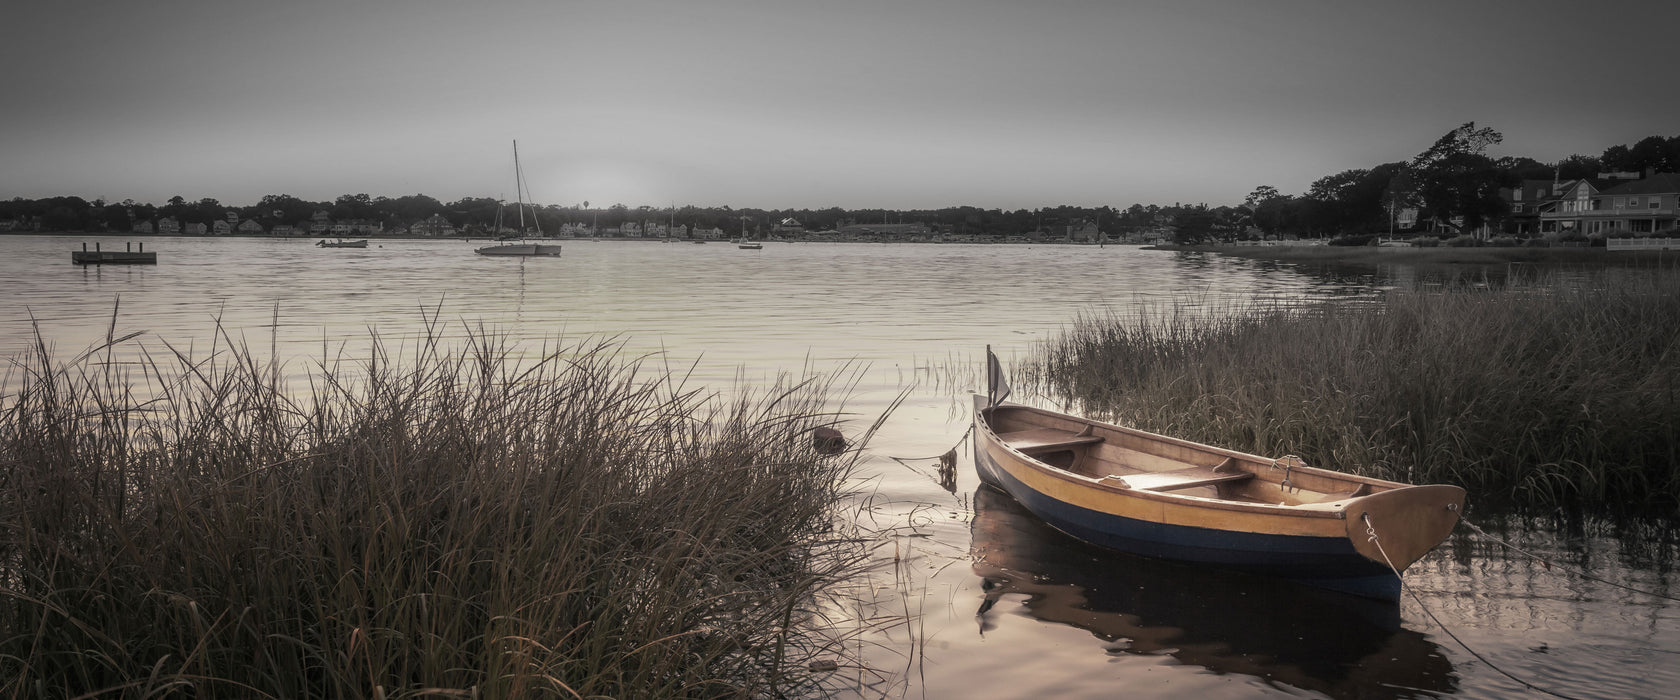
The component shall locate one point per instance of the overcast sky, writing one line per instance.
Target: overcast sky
(790, 104)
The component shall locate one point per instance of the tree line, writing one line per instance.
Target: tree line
(1454, 186)
(1454, 180)
(480, 213)
(74, 214)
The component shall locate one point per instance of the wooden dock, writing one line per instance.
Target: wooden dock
(127, 256)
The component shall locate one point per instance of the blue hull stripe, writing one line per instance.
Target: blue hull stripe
(1328, 562)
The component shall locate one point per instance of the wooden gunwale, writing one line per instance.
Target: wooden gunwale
(1327, 509)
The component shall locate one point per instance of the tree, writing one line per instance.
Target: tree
(286, 209)
(1194, 228)
(1524, 168)
(1255, 198)
(1275, 215)
(115, 218)
(1617, 159)
(1656, 154)
(352, 206)
(1457, 180)
(1399, 193)
(1577, 167)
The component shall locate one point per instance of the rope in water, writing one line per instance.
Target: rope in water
(960, 441)
(1371, 531)
(1548, 564)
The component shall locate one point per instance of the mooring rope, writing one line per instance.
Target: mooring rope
(1371, 531)
(960, 441)
(1548, 564)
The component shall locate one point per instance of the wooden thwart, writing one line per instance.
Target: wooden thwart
(1046, 440)
(1183, 478)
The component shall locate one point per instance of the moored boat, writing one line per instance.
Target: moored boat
(522, 249)
(1150, 494)
(341, 243)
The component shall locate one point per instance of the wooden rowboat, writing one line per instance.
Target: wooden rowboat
(1150, 494)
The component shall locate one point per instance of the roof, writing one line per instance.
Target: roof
(1660, 183)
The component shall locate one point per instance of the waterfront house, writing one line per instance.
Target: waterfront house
(356, 227)
(1640, 206)
(434, 225)
(144, 227)
(221, 227)
(1644, 206)
(1082, 232)
(249, 227)
(788, 227)
(1527, 200)
(168, 226)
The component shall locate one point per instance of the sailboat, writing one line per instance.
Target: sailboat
(521, 248)
(745, 242)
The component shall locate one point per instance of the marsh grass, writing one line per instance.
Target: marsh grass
(1539, 392)
(461, 522)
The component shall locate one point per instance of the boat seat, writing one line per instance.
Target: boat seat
(1181, 478)
(1046, 440)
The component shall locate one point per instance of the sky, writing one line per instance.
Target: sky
(794, 104)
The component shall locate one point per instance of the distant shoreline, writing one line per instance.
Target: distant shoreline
(560, 239)
(1373, 256)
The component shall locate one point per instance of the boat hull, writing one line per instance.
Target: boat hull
(526, 250)
(1313, 544)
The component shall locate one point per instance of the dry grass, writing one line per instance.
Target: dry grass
(459, 523)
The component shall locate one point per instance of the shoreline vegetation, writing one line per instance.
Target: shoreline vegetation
(1374, 256)
(459, 522)
(1535, 394)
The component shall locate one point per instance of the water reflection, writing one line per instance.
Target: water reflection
(1226, 622)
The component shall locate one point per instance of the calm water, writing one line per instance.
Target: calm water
(974, 598)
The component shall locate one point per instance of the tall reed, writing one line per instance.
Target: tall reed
(1540, 391)
(458, 523)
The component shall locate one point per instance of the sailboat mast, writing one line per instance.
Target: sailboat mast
(519, 187)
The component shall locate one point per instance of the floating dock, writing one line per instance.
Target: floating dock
(127, 256)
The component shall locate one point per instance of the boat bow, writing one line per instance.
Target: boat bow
(1398, 527)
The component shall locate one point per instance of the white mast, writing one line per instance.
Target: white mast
(519, 188)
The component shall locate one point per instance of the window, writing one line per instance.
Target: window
(1620, 203)
(1656, 202)
(1633, 201)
